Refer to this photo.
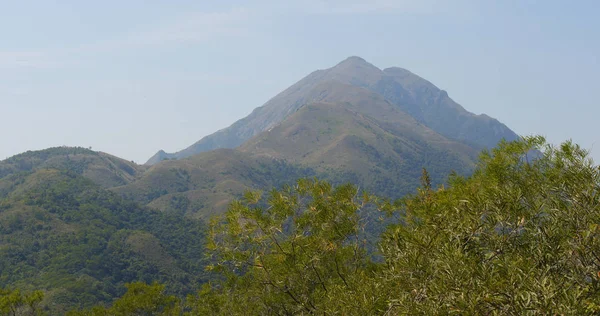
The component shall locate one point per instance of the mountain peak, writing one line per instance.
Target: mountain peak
(158, 157)
(356, 71)
(354, 61)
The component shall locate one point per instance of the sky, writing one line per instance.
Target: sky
(132, 77)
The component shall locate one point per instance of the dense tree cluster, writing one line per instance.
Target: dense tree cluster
(15, 302)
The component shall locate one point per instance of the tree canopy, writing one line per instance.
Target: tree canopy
(518, 236)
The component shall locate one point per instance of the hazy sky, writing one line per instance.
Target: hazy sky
(132, 77)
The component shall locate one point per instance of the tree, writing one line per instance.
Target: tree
(140, 299)
(13, 303)
(517, 237)
(300, 253)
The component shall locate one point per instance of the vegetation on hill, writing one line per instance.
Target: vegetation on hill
(15, 302)
(516, 237)
(203, 185)
(79, 243)
(104, 169)
(375, 146)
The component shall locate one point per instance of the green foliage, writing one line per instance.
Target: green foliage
(298, 254)
(141, 299)
(105, 170)
(518, 237)
(13, 303)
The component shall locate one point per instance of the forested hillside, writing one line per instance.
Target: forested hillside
(80, 244)
(519, 235)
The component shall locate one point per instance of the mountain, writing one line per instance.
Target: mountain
(410, 93)
(350, 123)
(356, 135)
(78, 224)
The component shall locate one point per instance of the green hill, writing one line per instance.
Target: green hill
(104, 169)
(65, 235)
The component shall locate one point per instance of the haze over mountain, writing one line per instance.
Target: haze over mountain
(410, 93)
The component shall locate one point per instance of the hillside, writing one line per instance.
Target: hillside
(412, 94)
(204, 185)
(79, 243)
(349, 134)
(384, 154)
(514, 238)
